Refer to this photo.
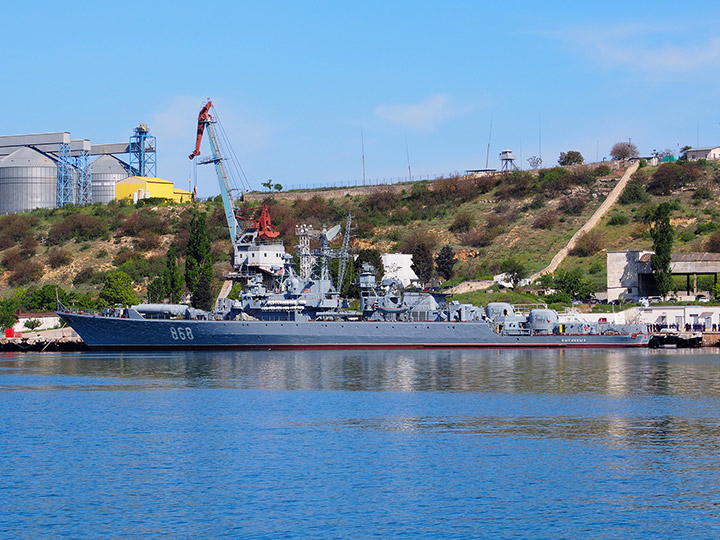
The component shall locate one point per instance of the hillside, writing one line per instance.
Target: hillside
(525, 216)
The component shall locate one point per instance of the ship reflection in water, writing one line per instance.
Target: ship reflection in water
(445, 444)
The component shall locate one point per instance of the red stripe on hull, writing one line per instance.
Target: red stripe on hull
(369, 347)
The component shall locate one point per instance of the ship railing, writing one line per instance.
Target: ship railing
(527, 308)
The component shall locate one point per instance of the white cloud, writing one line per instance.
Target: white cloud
(424, 116)
(649, 48)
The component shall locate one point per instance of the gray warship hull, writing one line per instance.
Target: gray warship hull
(102, 332)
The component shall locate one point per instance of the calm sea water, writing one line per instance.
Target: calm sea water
(441, 444)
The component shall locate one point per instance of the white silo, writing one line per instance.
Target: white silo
(106, 171)
(28, 180)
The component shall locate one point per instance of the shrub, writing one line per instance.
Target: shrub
(573, 206)
(13, 227)
(713, 243)
(546, 220)
(59, 257)
(588, 244)
(537, 202)
(634, 193)
(26, 272)
(618, 219)
(88, 275)
(462, 222)
(686, 236)
(12, 258)
(672, 176)
(485, 183)
(553, 180)
(79, 226)
(704, 228)
(147, 240)
(419, 237)
(602, 170)
(142, 221)
(380, 201)
(479, 237)
(515, 185)
(455, 187)
(702, 193)
(28, 245)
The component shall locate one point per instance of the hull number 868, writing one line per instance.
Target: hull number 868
(181, 333)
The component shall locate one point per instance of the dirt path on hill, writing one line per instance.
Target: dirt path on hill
(590, 223)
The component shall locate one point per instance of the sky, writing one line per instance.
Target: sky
(304, 89)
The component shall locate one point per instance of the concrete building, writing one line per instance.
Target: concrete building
(399, 265)
(630, 276)
(698, 317)
(711, 152)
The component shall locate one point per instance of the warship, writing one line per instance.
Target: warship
(282, 308)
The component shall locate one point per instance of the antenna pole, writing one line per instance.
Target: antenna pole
(487, 155)
(407, 153)
(362, 142)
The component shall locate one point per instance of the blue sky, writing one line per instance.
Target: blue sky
(295, 83)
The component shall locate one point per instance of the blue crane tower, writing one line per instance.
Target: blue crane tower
(142, 152)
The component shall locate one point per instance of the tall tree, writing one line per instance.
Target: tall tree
(172, 278)
(571, 157)
(445, 262)
(423, 263)
(198, 260)
(662, 234)
(624, 150)
(118, 289)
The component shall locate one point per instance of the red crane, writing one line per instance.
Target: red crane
(266, 230)
(202, 120)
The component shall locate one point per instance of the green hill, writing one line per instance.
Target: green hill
(525, 216)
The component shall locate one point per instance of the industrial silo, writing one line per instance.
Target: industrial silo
(28, 180)
(106, 171)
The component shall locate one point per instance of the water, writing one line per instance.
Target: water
(440, 444)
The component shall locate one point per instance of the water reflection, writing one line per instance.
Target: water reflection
(616, 372)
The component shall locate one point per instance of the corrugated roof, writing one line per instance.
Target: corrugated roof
(136, 179)
(687, 257)
(26, 157)
(108, 165)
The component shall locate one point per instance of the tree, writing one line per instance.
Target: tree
(535, 162)
(445, 262)
(572, 283)
(156, 290)
(172, 278)
(198, 260)
(370, 256)
(572, 157)
(624, 150)
(32, 324)
(515, 270)
(423, 264)
(118, 289)
(8, 312)
(662, 234)
(202, 296)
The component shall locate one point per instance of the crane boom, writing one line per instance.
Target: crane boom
(205, 120)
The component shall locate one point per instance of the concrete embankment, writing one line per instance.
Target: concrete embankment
(62, 339)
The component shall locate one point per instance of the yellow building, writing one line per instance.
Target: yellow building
(145, 187)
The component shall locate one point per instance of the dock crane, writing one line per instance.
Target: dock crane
(246, 248)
